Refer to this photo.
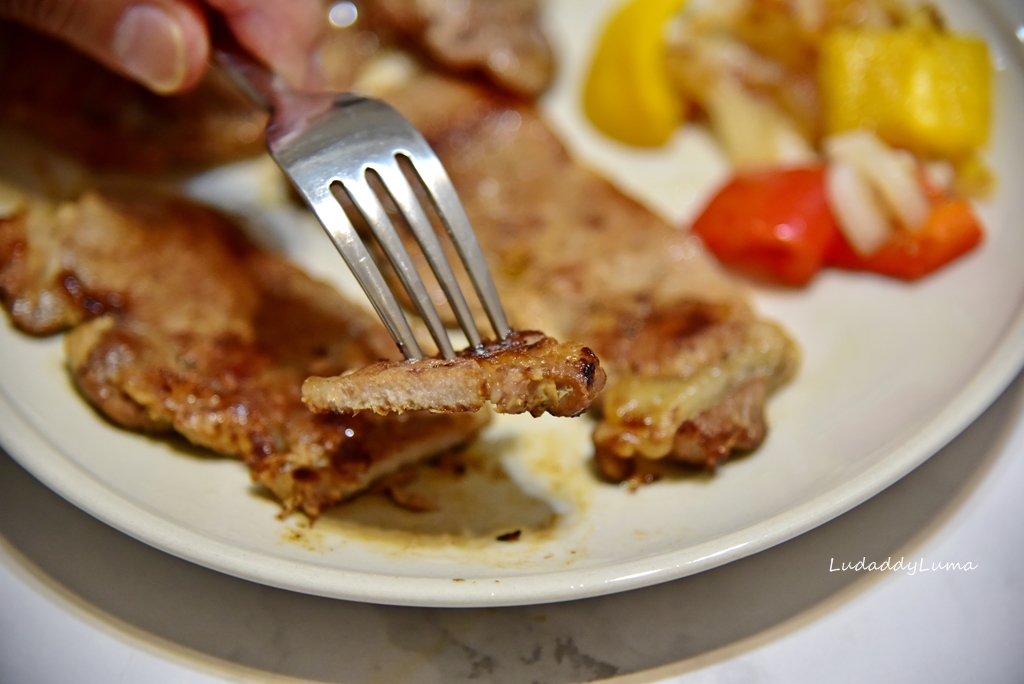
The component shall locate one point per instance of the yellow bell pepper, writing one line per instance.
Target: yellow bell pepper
(628, 94)
(922, 90)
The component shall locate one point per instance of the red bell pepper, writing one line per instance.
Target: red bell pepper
(952, 230)
(774, 225)
(777, 225)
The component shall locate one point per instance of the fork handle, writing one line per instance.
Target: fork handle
(258, 82)
(291, 110)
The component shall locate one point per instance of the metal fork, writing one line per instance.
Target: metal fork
(320, 140)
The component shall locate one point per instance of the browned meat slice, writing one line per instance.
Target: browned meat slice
(164, 262)
(500, 38)
(736, 423)
(574, 256)
(705, 397)
(179, 323)
(560, 239)
(526, 372)
(109, 122)
(229, 397)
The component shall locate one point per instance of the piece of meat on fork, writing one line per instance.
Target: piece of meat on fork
(527, 372)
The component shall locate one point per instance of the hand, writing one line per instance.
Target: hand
(165, 45)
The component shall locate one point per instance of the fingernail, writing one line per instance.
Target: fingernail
(150, 44)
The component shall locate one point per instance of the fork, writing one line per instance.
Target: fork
(326, 139)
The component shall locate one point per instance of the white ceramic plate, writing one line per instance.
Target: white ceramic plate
(891, 373)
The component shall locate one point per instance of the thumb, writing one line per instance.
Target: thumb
(160, 43)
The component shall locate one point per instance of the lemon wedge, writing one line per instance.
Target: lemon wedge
(628, 94)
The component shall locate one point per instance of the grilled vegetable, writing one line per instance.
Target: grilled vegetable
(628, 94)
(774, 224)
(778, 225)
(919, 89)
(951, 231)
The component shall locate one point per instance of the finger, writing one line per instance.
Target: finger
(160, 43)
(285, 35)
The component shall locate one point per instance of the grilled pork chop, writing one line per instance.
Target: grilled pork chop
(501, 39)
(689, 364)
(526, 372)
(691, 379)
(178, 323)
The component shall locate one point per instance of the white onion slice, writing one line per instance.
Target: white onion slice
(859, 214)
(892, 174)
(752, 131)
(940, 173)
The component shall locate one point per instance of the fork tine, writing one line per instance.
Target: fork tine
(320, 139)
(442, 193)
(369, 205)
(332, 216)
(402, 193)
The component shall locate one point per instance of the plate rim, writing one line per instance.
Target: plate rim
(31, 448)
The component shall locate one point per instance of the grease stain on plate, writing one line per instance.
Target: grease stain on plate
(524, 483)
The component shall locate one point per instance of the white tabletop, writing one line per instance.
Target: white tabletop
(80, 602)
